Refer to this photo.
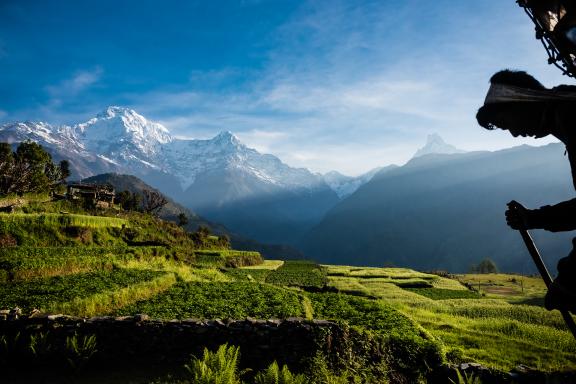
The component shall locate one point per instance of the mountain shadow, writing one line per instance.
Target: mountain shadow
(263, 211)
(447, 212)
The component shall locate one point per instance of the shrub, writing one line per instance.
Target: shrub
(274, 375)
(7, 240)
(220, 367)
(80, 349)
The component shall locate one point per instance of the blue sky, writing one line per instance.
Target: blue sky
(344, 85)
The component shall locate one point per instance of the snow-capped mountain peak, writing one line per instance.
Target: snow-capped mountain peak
(436, 145)
(227, 138)
(122, 131)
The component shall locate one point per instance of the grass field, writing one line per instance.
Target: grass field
(495, 329)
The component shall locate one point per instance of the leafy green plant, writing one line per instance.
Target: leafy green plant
(8, 346)
(274, 375)
(40, 344)
(220, 367)
(319, 372)
(466, 379)
(80, 349)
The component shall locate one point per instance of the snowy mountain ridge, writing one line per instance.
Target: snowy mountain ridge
(128, 141)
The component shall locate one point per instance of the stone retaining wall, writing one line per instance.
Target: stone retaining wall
(138, 338)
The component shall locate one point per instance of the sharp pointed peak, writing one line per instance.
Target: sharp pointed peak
(227, 136)
(114, 110)
(434, 137)
(436, 145)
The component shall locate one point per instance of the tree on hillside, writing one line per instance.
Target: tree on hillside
(182, 219)
(29, 169)
(153, 201)
(129, 201)
(486, 266)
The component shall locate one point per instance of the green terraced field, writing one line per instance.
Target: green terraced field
(220, 300)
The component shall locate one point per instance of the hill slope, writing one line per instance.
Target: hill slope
(171, 211)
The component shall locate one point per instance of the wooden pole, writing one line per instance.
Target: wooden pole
(545, 275)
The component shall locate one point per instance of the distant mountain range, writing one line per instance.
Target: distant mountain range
(447, 212)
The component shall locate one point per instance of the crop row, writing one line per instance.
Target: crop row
(64, 220)
(44, 293)
(23, 263)
(219, 300)
(245, 275)
(298, 273)
(444, 294)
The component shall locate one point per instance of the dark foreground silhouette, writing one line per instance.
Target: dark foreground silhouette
(520, 104)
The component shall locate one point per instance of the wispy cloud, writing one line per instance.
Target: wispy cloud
(77, 83)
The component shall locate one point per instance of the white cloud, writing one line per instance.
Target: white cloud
(77, 83)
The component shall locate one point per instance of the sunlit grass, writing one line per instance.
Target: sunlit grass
(374, 272)
(55, 219)
(268, 264)
(509, 287)
(184, 271)
(491, 330)
(107, 302)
